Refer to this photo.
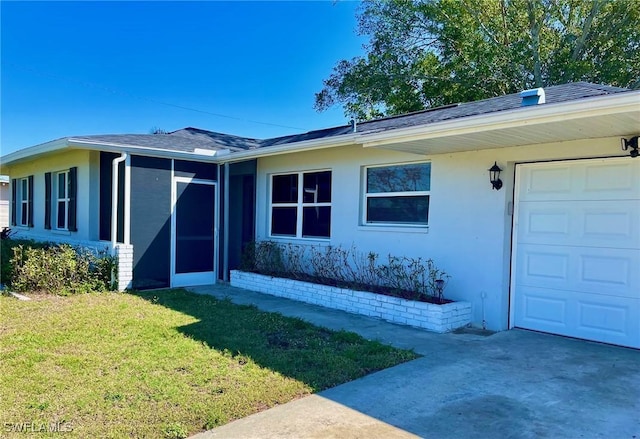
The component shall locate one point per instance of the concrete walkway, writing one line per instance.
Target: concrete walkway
(512, 384)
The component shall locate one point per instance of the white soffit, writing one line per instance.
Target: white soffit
(538, 125)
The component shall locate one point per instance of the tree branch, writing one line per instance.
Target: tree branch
(586, 27)
(534, 27)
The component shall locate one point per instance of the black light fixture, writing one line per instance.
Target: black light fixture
(494, 176)
(630, 145)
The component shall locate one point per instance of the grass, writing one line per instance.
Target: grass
(163, 364)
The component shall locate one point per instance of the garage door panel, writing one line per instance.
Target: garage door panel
(576, 249)
(546, 220)
(609, 180)
(605, 271)
(542, 308)
(548, 182)
(611, 221)
(543, 266)
(582, 315)
(609, 272)
(604, 317)
(580, 223)
(580, 180)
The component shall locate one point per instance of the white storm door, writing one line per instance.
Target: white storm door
(576, 249)
(193, 232)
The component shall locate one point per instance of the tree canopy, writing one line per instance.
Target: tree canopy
(427, 53)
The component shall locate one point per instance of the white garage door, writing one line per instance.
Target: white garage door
(576, 267)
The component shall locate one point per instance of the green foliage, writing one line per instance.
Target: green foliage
(175, 431)
(409, 278)
(58, 269)
(6, 254)
(428, 53)
(262, 257)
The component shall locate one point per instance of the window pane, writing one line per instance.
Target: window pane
(401, 178)
(285, 189)
(61, 185)
(24, 189)
(24, 214)
(283, 221)
(62, 214)
(401, 210)
(316, 222)
(317, 187)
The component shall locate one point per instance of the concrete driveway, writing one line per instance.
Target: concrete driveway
(512, 384)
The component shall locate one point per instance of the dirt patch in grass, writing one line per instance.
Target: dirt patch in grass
(163, 364)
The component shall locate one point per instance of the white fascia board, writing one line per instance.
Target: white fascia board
(200, 155)
(307, 145)
(220, 156)
(589, 107)
(32, 151)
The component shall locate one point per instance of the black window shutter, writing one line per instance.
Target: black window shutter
(14, 195)
(47, 200)
(73, 190)
(30, 202)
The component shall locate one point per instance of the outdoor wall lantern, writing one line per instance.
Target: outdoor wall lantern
(494, 176)
(632, 145)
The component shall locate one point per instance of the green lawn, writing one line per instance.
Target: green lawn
(162, 364)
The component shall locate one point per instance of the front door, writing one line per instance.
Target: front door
(193, 234)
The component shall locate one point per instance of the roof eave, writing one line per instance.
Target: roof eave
(627, 102)
(34, 151)
(69, 143)
(204, 156)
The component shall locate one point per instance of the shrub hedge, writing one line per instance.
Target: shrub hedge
(30, 266)
(399, 276)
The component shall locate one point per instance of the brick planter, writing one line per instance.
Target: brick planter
(437, 318)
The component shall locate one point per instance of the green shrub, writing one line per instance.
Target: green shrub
(59, 269)
(6, 254)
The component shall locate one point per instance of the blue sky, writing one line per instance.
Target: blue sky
(76, 68)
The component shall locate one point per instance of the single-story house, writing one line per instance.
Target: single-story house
(551, 243)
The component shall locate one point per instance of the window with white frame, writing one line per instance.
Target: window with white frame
(24, 202)
(62, 200)
(301, 204)
(397, 194)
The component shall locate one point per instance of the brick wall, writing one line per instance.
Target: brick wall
(124, 252)
(437, 318)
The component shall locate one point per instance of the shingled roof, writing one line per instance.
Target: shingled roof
(190, 140)
(554, 95)
(184, 140)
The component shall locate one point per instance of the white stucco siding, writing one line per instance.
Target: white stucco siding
(469, 232)
(87, 196)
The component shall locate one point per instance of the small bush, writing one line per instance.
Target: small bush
(6, 254)
(59, 269)
(408, 278)
(263, 257)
